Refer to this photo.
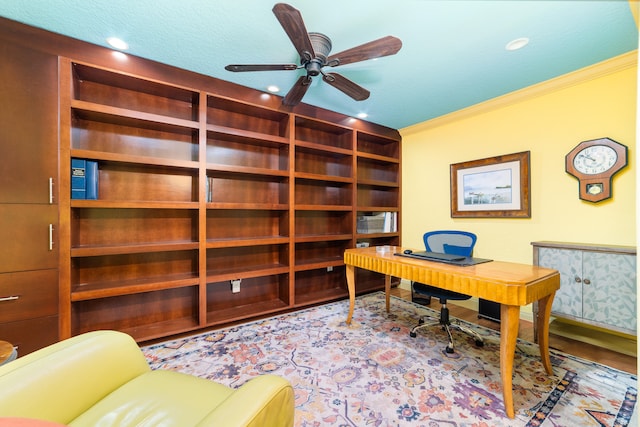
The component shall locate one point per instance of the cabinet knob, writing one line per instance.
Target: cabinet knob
(586, 281)
(577, 279)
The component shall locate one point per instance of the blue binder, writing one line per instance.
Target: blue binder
(84, 179)
(91, 180)
(78, 179)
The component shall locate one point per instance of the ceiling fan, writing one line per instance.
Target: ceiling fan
(314, 49)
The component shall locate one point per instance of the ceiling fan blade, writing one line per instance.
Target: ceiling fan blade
(291, 20)
(345, 85)
(375, 49)
(260, 67)
(297, 92)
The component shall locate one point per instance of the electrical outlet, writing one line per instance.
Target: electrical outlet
(235, 286)
(329, 269)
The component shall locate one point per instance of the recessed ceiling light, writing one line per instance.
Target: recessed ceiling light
(273, 88)
(517, 43)
(117, 43)
(363, 115)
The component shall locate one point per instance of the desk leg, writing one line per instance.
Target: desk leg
(510, 315)
(387, 289)
(351, 285)
(542, 326)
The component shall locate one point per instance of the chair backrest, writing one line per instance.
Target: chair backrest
(450, 242)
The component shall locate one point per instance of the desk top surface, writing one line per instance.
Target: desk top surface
(503, 282)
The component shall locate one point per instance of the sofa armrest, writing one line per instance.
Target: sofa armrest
(264, 401)
(63, 380)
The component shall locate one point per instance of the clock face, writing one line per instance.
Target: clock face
(595, 159)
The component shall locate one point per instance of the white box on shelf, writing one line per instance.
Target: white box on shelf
(370, 223)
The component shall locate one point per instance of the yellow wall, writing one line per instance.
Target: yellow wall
(548, 120)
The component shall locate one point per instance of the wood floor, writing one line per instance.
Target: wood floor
(577, 348)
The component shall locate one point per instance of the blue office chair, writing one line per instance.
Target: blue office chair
(448, 242)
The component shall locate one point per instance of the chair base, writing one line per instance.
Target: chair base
(447, 326)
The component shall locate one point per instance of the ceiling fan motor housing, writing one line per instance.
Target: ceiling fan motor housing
(321, 47)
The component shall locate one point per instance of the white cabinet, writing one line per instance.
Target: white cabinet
(597, 283)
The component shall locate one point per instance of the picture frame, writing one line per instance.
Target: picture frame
(495, 187)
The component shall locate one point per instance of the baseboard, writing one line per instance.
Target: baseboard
(597, 337)
(600, 338)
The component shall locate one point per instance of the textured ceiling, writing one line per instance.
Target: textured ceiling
(453, 53)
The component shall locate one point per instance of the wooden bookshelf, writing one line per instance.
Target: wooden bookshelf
(198, 190)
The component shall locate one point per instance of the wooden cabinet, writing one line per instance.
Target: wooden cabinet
(29, 197)
(29, 123)
(597, 283)
(28, 236)
(29, 309)
(210, 209)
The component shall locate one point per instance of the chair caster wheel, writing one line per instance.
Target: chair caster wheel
(479, 343)
(413, 334)
(449, 349)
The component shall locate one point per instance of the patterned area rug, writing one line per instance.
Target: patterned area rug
(373, 374)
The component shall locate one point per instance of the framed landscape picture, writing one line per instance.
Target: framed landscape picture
(494, 187)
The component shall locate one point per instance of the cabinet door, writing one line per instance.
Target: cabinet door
(24, 233)
(609, 289)
(568, 299)
(31, 334)
(28, 119)
(28, 294)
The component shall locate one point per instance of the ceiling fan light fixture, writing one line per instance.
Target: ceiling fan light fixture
(516, 44)
(321, 45)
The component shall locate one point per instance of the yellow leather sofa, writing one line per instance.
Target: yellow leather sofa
(102, 379)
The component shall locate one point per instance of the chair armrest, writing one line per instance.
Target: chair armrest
(264, 401)
(63, 380)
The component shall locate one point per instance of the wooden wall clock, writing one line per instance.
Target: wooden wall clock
(594, 163)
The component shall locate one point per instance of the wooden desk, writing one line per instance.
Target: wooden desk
(510, 284)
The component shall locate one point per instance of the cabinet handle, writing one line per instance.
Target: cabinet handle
(586, 281)
(50, 190)
(9, 298)
(577, 279)
(50, 237)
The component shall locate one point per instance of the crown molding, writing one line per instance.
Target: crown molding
(583, 75)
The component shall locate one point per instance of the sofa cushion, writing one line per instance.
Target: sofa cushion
(156, 398)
